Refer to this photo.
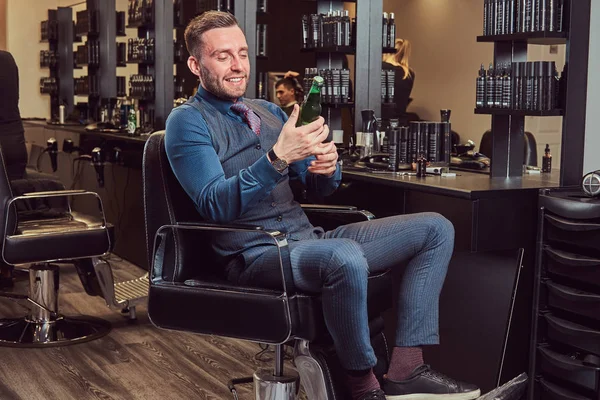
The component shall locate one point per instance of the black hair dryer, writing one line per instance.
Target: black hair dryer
(52, 149)
(98, 163)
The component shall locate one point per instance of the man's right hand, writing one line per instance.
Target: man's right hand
(297, 143)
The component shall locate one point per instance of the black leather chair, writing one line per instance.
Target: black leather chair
(189, 293)
(529, 147)
(63, 236)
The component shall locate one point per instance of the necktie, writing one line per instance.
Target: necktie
(250, 116)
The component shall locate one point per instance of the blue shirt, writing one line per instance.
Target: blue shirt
(196, 164)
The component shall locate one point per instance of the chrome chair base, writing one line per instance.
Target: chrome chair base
(270, 387)
(22, 332)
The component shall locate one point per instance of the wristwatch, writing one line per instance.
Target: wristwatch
(279, 164)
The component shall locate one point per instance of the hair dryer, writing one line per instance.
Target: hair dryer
(98, 163)
(69, 147)
(52, 149)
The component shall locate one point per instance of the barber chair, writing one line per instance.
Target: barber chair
(188, 291)
(38, 241)
(529, 147)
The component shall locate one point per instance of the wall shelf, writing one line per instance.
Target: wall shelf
(350, 104)
(332, 49)
(520, 113)
(542, 38)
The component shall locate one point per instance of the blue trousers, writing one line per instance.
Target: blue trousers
(337, 266)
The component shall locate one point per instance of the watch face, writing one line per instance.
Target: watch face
(280, 165)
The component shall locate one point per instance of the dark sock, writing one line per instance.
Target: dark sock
(361, 382)
(404, 361)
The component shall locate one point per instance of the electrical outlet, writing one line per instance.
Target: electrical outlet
(554, 49)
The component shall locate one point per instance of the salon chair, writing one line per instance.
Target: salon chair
(39, 241)
(529, 147)
(188, 291)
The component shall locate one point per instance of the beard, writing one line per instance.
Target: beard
(218, 88)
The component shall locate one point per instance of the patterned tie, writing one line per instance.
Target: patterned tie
(250, 116)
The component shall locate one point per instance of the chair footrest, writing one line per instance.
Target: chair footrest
(132, 289)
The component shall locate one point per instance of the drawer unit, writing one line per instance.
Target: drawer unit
(551, 391)
(574, 300)
(565, 345)
(572, 334)
(565, 368)
(577, 267)
(580, 234)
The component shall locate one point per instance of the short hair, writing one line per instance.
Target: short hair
(205, 22)
(287, 82)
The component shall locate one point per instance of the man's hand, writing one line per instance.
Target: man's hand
(326, 162)
(297, 143)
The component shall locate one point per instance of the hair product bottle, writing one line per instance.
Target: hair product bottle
(547, 159)
(480, 88)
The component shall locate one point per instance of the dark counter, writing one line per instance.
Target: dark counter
(466, 185)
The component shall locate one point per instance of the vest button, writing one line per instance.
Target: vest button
(273, 204)
(279, 218)
(258, 147)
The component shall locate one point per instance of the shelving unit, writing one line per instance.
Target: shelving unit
(565, 340)
(156, 24)
(57, 31)
(508, 125)
(519, 113)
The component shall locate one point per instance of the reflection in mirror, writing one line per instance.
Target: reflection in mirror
(446, 57)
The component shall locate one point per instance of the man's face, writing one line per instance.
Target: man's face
(285, 95)
(223, 67)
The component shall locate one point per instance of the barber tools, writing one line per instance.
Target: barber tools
(98, 163)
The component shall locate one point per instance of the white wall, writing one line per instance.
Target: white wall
(23, 41)
(591, 159)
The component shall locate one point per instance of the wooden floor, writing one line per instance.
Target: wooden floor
(134, 361)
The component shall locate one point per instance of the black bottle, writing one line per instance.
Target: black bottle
(486, 20)
(490, 84)
(561, 87)
(384, 33)
(508, 87)
(480, 88)
(499, 86)
(391, 30)
(421, 166)
(346, 32)
(547, 160)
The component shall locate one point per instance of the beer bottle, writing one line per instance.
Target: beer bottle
(131, 122)
(311, 108)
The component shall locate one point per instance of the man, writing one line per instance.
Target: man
(286, 90)
(235, 158)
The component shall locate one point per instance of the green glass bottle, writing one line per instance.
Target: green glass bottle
(311, 108)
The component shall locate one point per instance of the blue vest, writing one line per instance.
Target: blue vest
(238, 147)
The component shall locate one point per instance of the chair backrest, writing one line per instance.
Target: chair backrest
(206, 304)
(5, 195)
(529, 147)
(166, 203)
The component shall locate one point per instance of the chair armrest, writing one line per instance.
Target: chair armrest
(224, 226)
(54, 193)
(347, 213)
(279, 239)
(327, 207)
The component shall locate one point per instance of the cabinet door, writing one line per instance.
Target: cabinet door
(461, 212)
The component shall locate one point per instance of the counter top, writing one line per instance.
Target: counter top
(468, 185)
(80, 129)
